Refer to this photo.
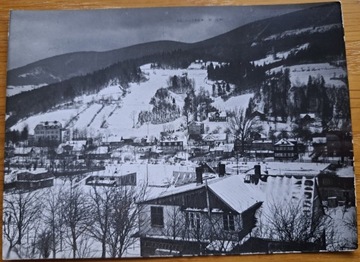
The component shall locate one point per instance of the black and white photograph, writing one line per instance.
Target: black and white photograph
(178, 131)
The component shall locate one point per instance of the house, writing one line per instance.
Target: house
(257, 136)
(23, 156)
(198, 150)
(218, 214)
(196, 128)
(179, 219)
(29, 179)
(214, 139)
(217, 116)
(307, 118)
(48, 132)
(111, 180)
(284, 150)
(170, 145)
(319, 148)
(258, 115)
(337, 188)
(339, 144)
(261, 148)
(100, 152)
(222, 150)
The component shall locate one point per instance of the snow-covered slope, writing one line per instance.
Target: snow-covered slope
(114, 110)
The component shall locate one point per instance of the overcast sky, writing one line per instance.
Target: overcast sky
(35, 35)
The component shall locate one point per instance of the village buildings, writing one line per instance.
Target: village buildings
(218, 202)
(48, 132)
(219, 214)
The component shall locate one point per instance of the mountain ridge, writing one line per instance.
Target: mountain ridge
(65, 66)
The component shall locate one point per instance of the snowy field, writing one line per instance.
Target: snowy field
(120, 110)
(62, 116)
(14, 90)
(269, 59)
(317, 29)
(299, 74)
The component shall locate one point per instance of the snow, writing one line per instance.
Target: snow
(232, 103)
(86, 116)
(61, 115)
(299, 74)
(345, 171)
(279, 168)
(114, 110)
(318, 29)
(345, 231)
(270, 58)
(284, 142)
(236, 193)
(14, 90)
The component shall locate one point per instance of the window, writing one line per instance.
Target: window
(157, 216)
(193, 220)
(228, 220)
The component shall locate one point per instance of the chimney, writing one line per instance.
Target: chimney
(257, 174)
(221, 169)
(199, 172)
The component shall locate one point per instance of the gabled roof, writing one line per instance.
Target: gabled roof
(231, 190)
(284, 142)
(237, 194)
(214, 137)
(311, 115)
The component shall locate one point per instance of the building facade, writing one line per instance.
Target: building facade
(48, 132)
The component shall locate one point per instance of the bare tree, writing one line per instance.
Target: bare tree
(222, 230)
(175, 223)
(289, 222)
(198, 228)
(101, 202)
(21, 211)
(341, 231)
(44, 243)
(75, 216)
(53, 220)
(123, 219)
(241, 124)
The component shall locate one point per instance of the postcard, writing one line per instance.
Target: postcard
(178, 131)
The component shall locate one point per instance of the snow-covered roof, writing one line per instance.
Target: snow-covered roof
(311, 115)
(22, 150)
(287, 168)
(345, 172)
(284, 142)
(100, 150)
(319, 140)
(113, 139)
(232, 190)
(237, 194)
(214, 137)
(221, 114)
(77, 145)
(262, 142)
(172, 140)
(297, 190)
(50, 124)
(224, 148)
